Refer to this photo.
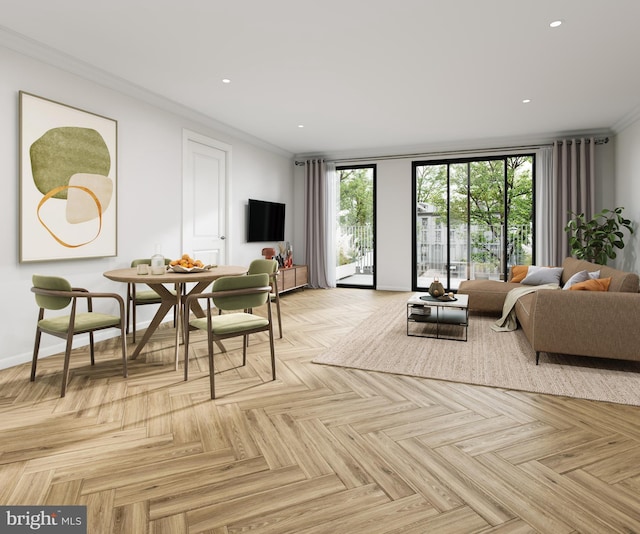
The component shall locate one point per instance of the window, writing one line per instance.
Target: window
(486, 206)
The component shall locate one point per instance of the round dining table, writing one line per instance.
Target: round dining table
(201, 279)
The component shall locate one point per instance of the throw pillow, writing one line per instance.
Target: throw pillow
(537, 276)
(598, 284)
(519, 272)
(581, 276)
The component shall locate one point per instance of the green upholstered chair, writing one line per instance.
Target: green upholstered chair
(271, 268)
(238, 296)
(141, 297)
(55, 293)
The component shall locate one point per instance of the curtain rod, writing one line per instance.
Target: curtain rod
(598, 141)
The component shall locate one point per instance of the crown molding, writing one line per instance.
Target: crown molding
(626, 121)
(36, 50)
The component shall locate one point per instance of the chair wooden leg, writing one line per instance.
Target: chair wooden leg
(92, 351)
(276, 292)
(245, 342)
(36, 348)
(123, 337)
(273, 354)
(212, 371)
(65, 370)
(279, 316)
(248, 310)
(185, 333)
(133, 325)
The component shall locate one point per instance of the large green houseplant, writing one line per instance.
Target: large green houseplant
(597, 239)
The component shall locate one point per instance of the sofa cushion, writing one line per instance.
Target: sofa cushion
(597, 284)
(581, 276)
(537, 276)
(518, 273)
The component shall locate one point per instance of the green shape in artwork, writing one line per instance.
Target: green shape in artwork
(62, 152)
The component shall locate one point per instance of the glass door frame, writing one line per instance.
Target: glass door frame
(374, 253)
(504, 267)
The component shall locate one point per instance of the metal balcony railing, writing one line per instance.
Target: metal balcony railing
(478, 255)
(357, 245)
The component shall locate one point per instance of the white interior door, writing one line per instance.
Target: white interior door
(206, 168)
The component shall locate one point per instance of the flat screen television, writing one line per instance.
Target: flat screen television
(266, 221)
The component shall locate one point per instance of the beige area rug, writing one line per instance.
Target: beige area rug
(488, 358)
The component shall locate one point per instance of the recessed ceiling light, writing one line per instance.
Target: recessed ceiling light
(226, 80)
(300, 125)
(555, 23)
(526, 101)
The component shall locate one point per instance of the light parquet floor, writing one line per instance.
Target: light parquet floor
(320, 450)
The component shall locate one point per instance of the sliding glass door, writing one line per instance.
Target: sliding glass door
(473, 218)
(355, 225)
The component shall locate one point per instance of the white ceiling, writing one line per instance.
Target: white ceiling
(362, 74)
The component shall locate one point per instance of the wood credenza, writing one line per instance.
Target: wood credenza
(292, 278)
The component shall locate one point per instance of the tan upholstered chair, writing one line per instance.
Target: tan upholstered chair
(230, 294)
(271, 268)
(141, 297)
(54, 293)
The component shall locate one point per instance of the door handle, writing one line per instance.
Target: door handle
(223, 237)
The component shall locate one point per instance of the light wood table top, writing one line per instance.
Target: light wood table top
(130, 275)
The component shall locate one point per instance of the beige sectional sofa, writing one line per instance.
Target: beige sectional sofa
(587, 323)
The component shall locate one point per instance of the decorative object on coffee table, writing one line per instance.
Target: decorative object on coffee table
(436, 289)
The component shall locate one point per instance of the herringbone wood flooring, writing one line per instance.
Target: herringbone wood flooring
(320, 450)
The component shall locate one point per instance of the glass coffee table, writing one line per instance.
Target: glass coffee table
(431, 317)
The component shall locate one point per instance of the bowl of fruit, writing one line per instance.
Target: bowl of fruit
(186, 264)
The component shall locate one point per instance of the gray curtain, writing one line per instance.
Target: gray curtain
(546, 209)
(571, 189)
(317, 222)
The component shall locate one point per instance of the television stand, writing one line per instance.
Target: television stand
(290, 278)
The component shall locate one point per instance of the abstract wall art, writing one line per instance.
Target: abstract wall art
(68, 182)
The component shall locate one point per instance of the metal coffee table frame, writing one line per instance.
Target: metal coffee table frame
(424, 309)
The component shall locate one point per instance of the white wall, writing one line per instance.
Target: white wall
(268, 177)
(627, 191)
(149, 190)
(394, 216)
(605, 175)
